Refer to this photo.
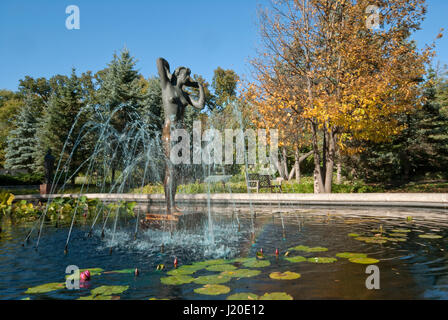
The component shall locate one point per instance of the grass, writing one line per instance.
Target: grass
(306, 186)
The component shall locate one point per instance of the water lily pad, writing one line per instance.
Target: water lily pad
(213, 279)
(44, 288)
(430, 236)
(120, 271)
(377, 241)
(109, 290)
(299, 248)
(185, 269)
(177, 280)
(398, 235)
(213, 289)
(220, 267)
(364, 260)
(397, 239)
(322, 260)
(276, 296)
(241, 260)
(296, 259)
(157, 299)
(93, 272)
(241, 273)
(401, 230)
(308, 249)
(211, 262)
(349, 255)
(257, 263)
(243, 296)
(287, 275)
(354, 235)
(27, 298)
(362, 238)
(96, 297)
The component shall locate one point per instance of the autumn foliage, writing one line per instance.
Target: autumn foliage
(324, 73)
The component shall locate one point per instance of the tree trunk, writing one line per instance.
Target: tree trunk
(297, 164)
(330, 161)
(318, 181)
(285, 163)
(339, 172)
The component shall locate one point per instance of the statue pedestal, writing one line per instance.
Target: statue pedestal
(172, 222)
(45, 189)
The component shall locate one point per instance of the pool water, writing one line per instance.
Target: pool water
(412, 264)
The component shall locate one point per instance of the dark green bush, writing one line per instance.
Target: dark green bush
(21, 179)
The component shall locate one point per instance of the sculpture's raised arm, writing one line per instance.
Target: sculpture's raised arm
(164, 71)
(200, 103)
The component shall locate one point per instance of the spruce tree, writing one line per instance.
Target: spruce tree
(61, 125)
(21, 141)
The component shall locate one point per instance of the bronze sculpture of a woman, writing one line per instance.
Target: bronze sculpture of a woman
(175, 100)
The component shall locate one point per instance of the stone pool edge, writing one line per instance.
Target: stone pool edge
(415, 200)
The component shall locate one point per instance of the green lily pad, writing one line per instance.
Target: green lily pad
(93, 272)
(322, 260)
(27, 298)
(430, 236)
(213, 279)
(276, 296)
(308, 249)
(177, 280)
(377, 241)
(354, 235)
(243, 296)
(120, 271)
(241, 260)
(257, 263)
(397, 239)
(362, 238)
(299, 248)
(109, 290)
(348, 255)
(185, 269)
(401, 230)
(220, 267)
(296, 259)
(157, 299)
(241, 273)
(287, 275)
(211, 262)
(96, 297)
(398, 235)
(213, 289)
(364, 260)
(44, 288)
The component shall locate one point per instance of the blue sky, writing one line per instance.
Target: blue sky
(200, 34)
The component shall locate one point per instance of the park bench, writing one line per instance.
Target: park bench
(261, 181)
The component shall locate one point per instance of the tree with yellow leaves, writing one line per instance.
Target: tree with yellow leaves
(324, 62)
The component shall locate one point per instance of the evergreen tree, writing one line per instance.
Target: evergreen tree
(122, 85)
(60, 119)
(21, 141)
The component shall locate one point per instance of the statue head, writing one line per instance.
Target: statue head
(182, 76)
